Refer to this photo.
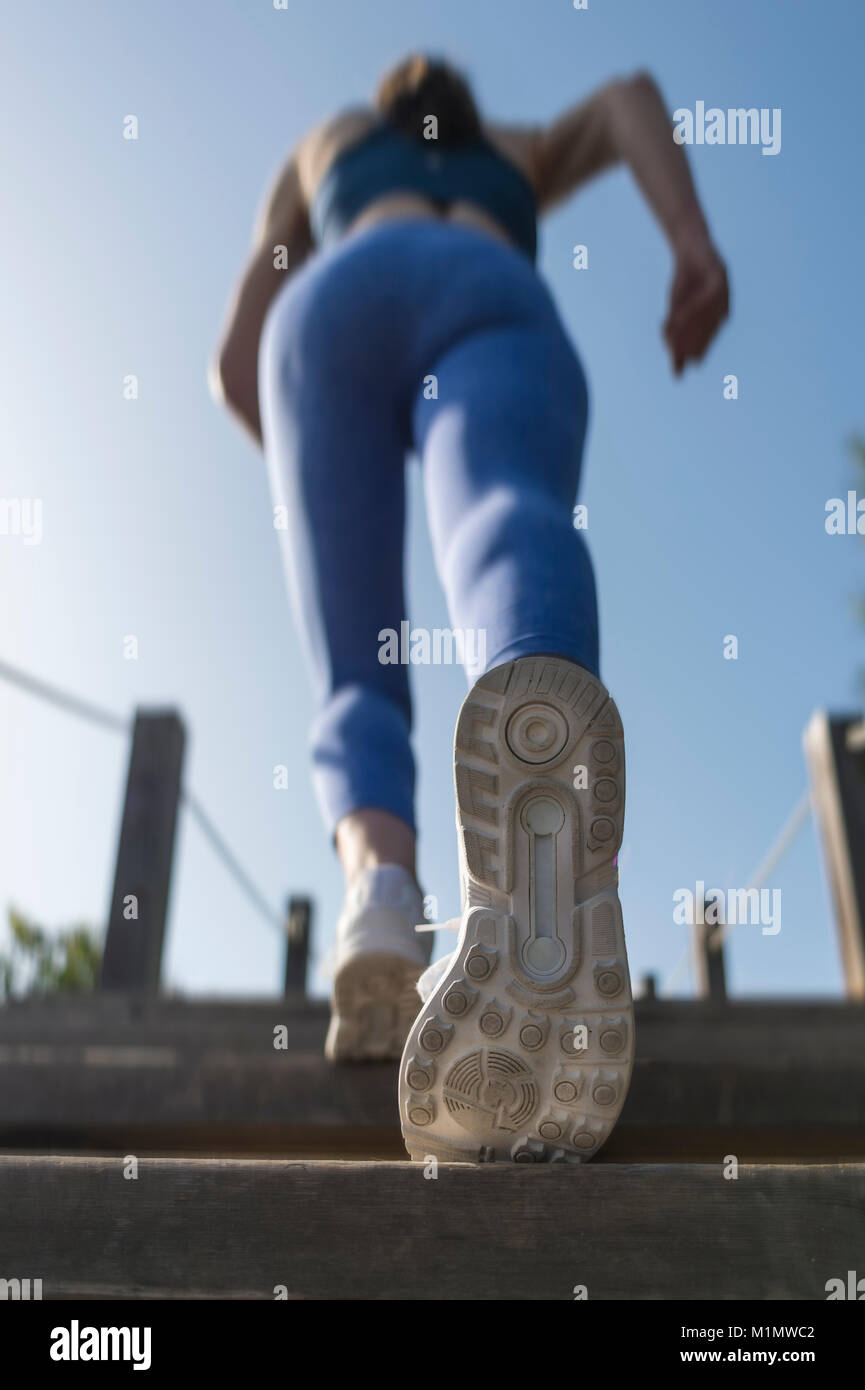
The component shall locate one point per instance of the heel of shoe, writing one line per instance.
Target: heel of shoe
(375, 1002)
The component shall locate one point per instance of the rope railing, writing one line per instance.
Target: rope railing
(106, 719)
(770, 861)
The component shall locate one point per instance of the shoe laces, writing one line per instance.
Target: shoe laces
(452, 924)
(435, 971)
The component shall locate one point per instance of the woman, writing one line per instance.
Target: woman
(391, 304)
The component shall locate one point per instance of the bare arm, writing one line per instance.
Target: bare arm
(627, 122)
(283, 223)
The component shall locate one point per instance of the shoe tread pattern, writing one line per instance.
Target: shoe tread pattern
(496, 1044)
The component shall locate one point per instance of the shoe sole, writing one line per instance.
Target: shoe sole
(524, 1051)
(373, 1007)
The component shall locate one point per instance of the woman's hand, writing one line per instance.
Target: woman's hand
(699, 300)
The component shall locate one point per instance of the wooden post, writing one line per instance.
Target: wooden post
(709, 974)
(132, 956)
(835, 754)
(298, 934)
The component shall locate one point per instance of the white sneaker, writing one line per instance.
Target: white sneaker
(377, 960)
(524, 1046)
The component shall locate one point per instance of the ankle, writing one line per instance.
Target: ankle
(371, 839)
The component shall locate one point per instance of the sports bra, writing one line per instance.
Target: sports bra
(387, 161)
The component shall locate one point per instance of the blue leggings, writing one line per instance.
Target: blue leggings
(420, 335)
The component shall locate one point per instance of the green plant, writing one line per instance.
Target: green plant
(38, 963)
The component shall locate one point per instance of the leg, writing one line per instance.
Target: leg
(501, 450)
(524, 1046)
(367, 838)
(336, 442)
(336, 455)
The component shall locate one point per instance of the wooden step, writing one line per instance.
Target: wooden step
(220, 1228)
(761, 1079)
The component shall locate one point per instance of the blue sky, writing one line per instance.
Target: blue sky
(706, 516)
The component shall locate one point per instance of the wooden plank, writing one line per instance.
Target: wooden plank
(835, 754)
(186, 1067)
(228, 1228)
(629, 1143)
(117, 1016)
(734, 1031)
(247, 1098)
(132, 957)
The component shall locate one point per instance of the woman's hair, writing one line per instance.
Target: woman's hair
(421, 86)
